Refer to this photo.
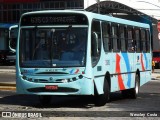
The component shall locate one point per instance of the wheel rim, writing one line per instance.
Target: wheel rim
(137, 87)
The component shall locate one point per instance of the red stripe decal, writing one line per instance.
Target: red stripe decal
(118, 70)
(77, 71)
(142, 62)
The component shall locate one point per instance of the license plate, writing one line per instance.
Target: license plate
(51, 87)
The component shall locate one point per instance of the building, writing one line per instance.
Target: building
(10, 10)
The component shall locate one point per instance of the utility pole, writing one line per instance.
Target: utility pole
(98, 6)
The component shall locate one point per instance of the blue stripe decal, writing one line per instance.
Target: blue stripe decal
(71, 72)
(145, 57)
(125, 56)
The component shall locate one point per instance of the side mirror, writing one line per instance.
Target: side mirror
(10, 45)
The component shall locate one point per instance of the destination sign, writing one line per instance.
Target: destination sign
(54, 19)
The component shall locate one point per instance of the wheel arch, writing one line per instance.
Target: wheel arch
(107, 78)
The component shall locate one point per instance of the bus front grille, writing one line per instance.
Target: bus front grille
(60, 89)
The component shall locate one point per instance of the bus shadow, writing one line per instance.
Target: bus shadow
(57, 101)
(32, 101)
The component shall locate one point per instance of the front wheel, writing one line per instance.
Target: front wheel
(101, 100)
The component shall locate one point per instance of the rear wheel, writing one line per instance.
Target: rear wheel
(101, 100)
(133, 92)
(45, 99)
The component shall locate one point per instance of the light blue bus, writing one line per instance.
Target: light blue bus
(81, 53)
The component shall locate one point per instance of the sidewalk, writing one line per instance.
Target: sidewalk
(156, 75)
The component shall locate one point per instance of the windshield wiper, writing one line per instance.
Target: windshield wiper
(52, 38)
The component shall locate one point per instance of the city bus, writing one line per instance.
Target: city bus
(13, 34)
(4, 41)
(64, 52)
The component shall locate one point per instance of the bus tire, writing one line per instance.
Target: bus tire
(133, 92)
(45, 99)
(102, 99)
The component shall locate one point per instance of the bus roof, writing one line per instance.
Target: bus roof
(6, 25)
(91, 16)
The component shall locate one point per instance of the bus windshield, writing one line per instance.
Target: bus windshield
(53, 47)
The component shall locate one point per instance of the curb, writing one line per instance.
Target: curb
(8, 86)
(8, 71)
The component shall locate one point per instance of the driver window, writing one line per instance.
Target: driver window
(95, 42)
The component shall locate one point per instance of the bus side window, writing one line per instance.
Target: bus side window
(115, 37)
(122, 38)
(95, 42)
(130, 42)
(137, 39)
(147, 40)
(143, 40)
(106, 36)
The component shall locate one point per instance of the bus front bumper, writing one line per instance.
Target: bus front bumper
(82, 86)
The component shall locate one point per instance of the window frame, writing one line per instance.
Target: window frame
(94, 63)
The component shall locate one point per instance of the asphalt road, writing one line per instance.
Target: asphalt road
(7, 77)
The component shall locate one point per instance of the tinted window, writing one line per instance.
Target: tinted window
(137, 39)
(115, 37)
(130, 42)
(106, 36)
(95, 42)
(122, 38)
(143, 40)
(148, 40)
